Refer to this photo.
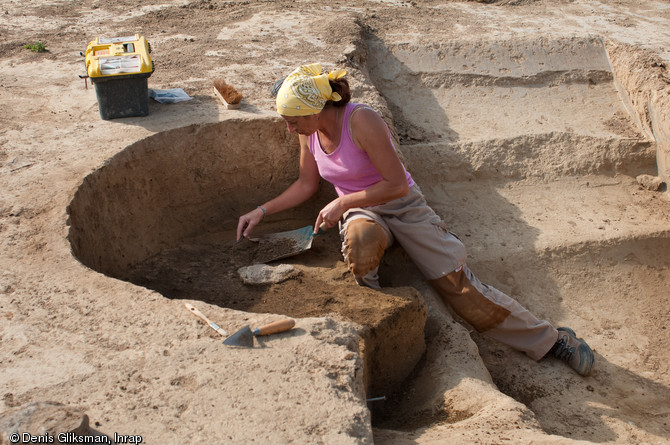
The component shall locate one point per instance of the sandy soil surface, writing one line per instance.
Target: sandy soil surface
(528, 125)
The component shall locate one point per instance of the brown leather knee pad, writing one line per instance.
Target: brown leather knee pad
(469, 303)
(365, 243)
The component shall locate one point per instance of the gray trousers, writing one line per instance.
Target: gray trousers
(441, 258)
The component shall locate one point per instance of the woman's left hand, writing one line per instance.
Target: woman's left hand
(330, 214)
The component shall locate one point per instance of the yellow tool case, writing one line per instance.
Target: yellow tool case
(119, 68)
(118, 56)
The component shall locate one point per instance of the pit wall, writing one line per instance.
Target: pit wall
(165, 188)
(184, 183)
(645, 81)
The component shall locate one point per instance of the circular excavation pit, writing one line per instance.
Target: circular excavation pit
(163, 213)
(527, 150)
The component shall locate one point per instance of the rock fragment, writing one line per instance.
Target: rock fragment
(264, 274)
(653, 183)
(44, 419)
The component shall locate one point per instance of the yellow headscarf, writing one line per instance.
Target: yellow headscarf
(305, 91)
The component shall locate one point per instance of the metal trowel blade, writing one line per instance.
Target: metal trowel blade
(290, 243)
(244, 337)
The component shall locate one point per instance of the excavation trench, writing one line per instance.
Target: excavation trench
(470, 119)
(498, 134)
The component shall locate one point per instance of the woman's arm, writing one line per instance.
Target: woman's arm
(301, 190)
(370, 133)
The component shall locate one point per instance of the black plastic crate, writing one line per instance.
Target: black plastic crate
(122, 96)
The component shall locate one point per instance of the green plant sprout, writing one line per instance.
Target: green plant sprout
(37, 47)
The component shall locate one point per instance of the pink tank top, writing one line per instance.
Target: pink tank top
(348, 168)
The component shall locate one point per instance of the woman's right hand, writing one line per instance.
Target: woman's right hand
(248, 221)
(302, 189)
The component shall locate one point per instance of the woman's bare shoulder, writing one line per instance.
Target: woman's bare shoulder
(365, 119)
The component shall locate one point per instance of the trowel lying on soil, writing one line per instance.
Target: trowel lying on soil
(245, 336)
(276, 246)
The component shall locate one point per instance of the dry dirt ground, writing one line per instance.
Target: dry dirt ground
(527, 125)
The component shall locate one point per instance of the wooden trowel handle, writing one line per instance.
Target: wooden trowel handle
(322, 228)
(275, 327)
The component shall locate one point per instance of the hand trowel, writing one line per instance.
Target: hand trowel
(245, 336)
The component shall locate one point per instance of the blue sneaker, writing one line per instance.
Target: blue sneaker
(574, 351)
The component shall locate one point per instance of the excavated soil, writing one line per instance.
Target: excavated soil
(527, 125)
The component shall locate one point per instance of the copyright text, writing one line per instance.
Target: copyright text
(73, 438)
